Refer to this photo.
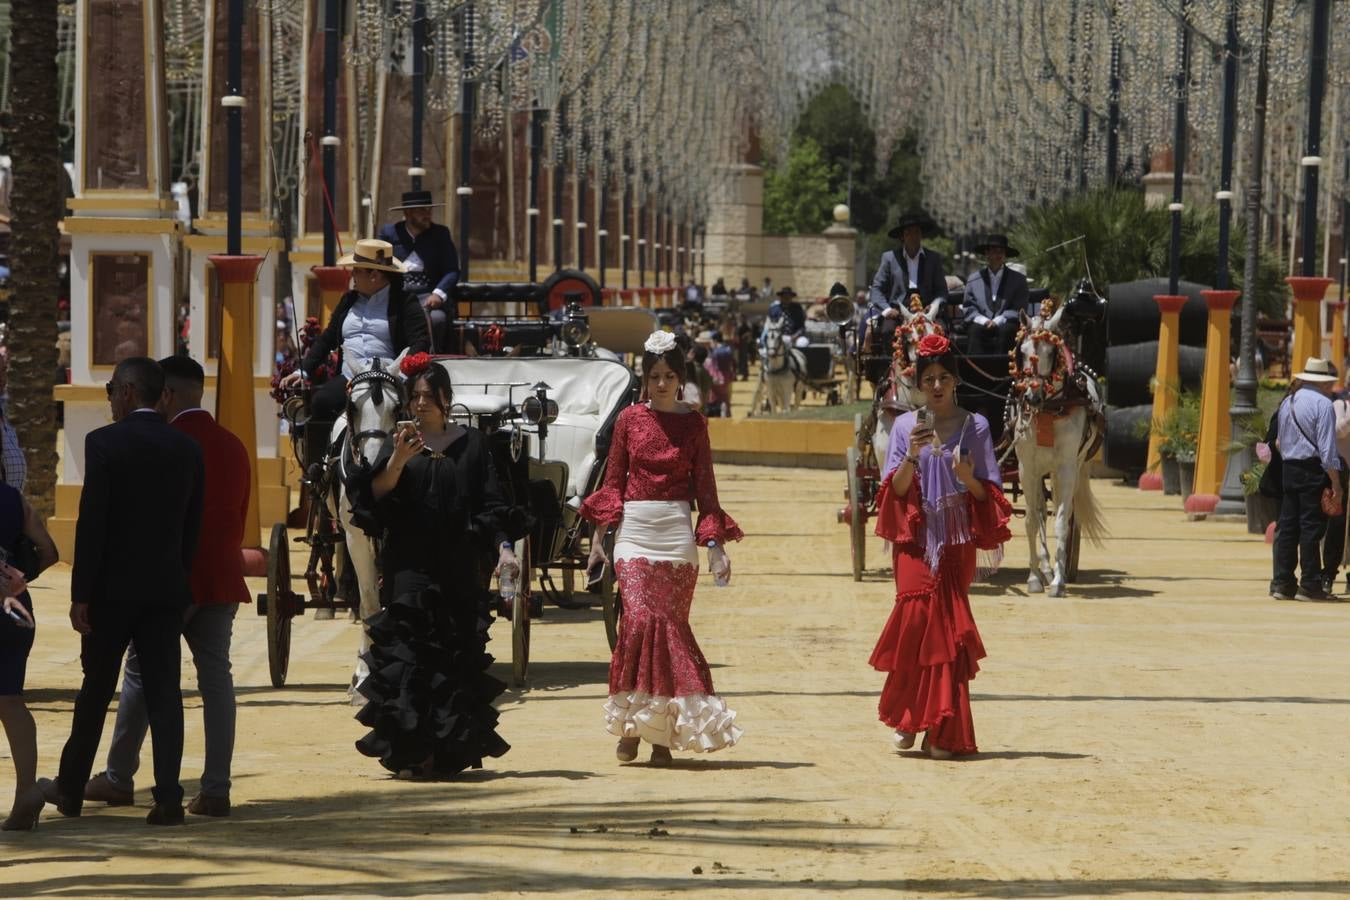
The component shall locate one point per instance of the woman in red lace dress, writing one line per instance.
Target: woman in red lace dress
(660, 688)
(942, 508)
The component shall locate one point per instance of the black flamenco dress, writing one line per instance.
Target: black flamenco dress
(429, 693)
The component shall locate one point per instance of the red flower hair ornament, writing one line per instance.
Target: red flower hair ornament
(934, 345)
(415, 364)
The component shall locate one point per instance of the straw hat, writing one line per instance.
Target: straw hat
(1316, 371)
(373, 254)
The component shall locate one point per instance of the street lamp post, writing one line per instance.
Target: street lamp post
(1182, 83)
(465, 191)
(330, 138)
(419, 52)
(1232, 497)
(1317, 84)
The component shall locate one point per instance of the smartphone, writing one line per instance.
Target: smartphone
(22, 622)
(596, 573)
(924, 418)
(405, 426)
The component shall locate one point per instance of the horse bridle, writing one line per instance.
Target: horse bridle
(379, 377)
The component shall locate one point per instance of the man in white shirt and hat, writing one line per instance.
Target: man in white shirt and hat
(1306, 429)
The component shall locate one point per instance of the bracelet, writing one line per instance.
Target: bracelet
(912, 460)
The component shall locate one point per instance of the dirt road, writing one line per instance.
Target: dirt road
(1166, 729)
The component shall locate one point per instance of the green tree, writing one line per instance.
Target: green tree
(798, 197)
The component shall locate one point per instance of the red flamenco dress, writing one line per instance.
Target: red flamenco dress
(940, 536)
(660, 686)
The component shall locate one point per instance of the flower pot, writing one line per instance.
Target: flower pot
(1261, 511)
(1171, 476)
(1186, 471)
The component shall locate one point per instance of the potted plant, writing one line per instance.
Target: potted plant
(1185, 439)
(1261, 510)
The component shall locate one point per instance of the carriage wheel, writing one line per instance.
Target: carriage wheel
(857, 514)
(520, 620)
(610, 597)
(1075, 539)
(279, 605)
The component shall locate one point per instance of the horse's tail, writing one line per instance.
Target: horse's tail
(1087, 513)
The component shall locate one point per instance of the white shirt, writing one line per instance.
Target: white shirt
(366, 333)
(912, 264)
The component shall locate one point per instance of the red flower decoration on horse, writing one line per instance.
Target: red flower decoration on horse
(414, 364)
(934, 345)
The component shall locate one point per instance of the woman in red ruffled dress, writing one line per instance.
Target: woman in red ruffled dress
(943, 510)
(660, 688)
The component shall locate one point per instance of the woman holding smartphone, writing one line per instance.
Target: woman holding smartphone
(433, 493)
(18, 520)
(942, 507)
(660, 687)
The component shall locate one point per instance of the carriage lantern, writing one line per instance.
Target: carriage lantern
(1084, 304)
(576, 328)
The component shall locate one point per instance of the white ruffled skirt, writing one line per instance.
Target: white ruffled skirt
(660, 686)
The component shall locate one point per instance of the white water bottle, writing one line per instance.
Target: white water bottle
(508, 581)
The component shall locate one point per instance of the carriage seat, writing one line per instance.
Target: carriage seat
(571, 439)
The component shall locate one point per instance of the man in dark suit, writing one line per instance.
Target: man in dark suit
(218, 587)
(910, 268)
(430, 260)
(995, 298)
(140, 513)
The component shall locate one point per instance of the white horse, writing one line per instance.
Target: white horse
(781, 373)
(1050, 383)
(374, 400)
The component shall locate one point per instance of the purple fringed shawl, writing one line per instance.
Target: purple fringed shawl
(946, 517)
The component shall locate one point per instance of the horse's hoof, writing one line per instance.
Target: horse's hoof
(1034, 586)
(1057, 590)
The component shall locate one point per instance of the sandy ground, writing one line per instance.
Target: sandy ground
(1167, 729)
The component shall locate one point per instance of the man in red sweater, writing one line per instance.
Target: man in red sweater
(218, 587)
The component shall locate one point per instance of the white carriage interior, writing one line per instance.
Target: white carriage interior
(589, 393)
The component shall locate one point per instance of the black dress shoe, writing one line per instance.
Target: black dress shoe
(165, 814)
(215, 807)
(51, 793)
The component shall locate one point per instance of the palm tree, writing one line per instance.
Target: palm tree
(36, 203)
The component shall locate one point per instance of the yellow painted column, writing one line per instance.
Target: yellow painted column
(333, 283)
(234, 380)
(1211, 459)
(1308, 294)
(1168, 379)
(1337, 352)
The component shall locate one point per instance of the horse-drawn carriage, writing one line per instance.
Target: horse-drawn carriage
(789, 370)
(1045, 417)
(545, 396)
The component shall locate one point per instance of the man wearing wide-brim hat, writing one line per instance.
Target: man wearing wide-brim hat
(376, 319)
(909, 268)
(995, 298)
(431, 262)
(792, 311)
(1306, 440)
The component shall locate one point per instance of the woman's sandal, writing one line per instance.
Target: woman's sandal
(933, 750)
(27, 809)
(661, 758)
(627, 749)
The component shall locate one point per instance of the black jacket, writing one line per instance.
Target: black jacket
(407, 328)
(140, 513)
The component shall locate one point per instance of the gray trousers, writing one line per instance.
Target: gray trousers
(208, 630)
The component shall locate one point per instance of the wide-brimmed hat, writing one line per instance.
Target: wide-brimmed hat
(996, 240)
(373, 254)
(786, 292)
(1317, 371)
(415, 200)
(913, 217)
